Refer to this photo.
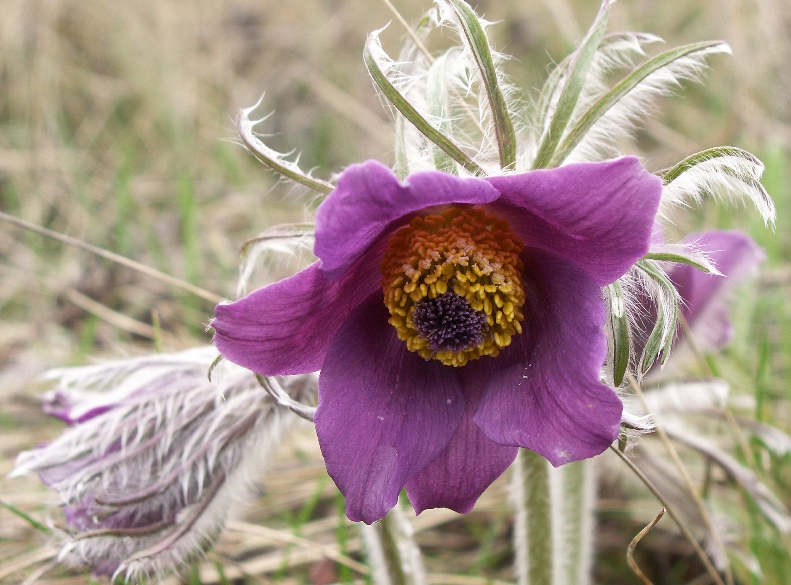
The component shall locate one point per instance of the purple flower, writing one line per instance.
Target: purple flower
(453, 320)
(704, 296)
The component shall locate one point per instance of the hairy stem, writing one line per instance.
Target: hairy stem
(533, 534)
(392, 553)
(578, 497)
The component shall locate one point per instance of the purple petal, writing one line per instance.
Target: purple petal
(286, 327)
(470, 462)
(704, 296)
(369, 198)
(73, 411)
(597, 215)
(384, 413)
(544, 391)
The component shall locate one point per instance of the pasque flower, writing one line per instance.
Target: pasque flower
(704, 296)
(156, 456)
(453, 320)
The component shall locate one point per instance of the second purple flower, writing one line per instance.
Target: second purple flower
(453, 321)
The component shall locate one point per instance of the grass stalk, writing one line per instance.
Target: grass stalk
(710, 569)
(113, 257)
(686, 479)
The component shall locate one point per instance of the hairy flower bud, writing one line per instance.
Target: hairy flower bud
(156, 457)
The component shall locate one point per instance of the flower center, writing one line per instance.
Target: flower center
(452, 285)
(449, 323)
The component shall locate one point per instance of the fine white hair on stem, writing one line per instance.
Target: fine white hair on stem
(280, 244)
(471, 83)
(652, 306)
(691, 252)
(408, 76)
(392, 552)
(575, 527)
(157, 457)
(616, 51)
(425, 89)
(445, 91)
(276, 161)
(619, 121)
(726, 173)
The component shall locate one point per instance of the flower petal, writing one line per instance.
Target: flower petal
(470, 462)
(286, 327)
(384, 413)
(704, 296)
(597, 215)
(544, 392)
(369, 197)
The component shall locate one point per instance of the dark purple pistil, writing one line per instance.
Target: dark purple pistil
(449, 323)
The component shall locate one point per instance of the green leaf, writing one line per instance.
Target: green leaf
(674, 172)
(556, 76)
(631, 81)
(654, 344)
(730, 172)
(662, 334)
(620, 331)
(272, 159)
(578, 71)
(410, 113)
(479, 47)
(679, 258)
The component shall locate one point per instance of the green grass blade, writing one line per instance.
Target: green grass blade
(34, 523)
(479, 46)
(578, 71)
(410, 113)
(631, 81)
(223, 579)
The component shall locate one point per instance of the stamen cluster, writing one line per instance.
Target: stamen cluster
(452, 285)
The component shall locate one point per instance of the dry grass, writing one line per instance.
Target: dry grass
(116, 128)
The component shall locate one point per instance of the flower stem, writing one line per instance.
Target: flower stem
(533, 534)
(577, 500)
(392, 553)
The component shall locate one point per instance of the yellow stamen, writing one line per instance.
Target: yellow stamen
(464, 250)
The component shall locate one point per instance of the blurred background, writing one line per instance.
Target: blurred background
(117, 128)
